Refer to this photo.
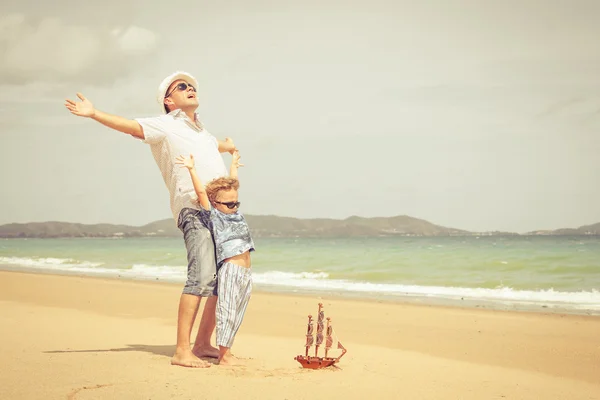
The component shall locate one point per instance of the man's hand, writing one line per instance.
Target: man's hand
(83, 108)
(236, 159)
(185, 162)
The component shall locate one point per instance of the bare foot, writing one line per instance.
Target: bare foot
(230, 360)
(205, 351)
(188, 359)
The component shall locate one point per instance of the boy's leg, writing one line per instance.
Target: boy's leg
(245, 291)
(235, 286)
(201, 282)
(226, 311)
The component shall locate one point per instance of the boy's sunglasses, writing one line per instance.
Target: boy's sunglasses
(180, 86)
(230, 204)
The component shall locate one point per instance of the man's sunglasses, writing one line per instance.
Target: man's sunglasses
(230, 204)
(180, 86)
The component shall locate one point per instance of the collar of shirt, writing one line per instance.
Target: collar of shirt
(178, 114)
(236, 216)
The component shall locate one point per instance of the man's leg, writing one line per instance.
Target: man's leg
(201, 282)
(202, 346)
(188, 308)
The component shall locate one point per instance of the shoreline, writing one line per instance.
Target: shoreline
(467, 303)
(95, 338)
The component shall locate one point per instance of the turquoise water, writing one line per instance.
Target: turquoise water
(542, 270)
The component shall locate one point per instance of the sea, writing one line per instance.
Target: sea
(527, 273)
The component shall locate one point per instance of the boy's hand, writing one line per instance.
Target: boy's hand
(83, 108)
(185, 162)
(236, 159)
(229, 142)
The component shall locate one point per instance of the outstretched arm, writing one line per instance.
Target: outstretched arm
(235, 164)
(188, 162)
(227, 146)
(85, 108)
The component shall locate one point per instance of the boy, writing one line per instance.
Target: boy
(219, 211)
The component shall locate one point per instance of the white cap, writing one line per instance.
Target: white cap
(164, 86)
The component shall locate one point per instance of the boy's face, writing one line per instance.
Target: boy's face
(225, 199)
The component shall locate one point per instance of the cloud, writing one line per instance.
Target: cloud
(135, 40)
(49, 50)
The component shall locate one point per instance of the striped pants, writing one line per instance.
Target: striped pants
(235, 287)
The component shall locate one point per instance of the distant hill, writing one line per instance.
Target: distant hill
(261, 226)
(273, 226)
(593, 230)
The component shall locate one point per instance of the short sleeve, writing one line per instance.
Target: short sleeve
(205, 216)
(155, 128)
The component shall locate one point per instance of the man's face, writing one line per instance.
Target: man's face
(181, 94)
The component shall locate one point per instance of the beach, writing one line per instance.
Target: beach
(75, 337)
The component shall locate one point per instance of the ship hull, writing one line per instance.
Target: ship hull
(315, 362)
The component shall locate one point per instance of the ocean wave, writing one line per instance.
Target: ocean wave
(320, 281)
(95, 268)
(316, 281)
(158, 271)
(48, 262)
(273, 276)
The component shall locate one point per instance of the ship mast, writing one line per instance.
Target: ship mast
(329, 339)
(319, 329)
(309, 335)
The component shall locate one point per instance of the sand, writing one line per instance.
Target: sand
(68, 337)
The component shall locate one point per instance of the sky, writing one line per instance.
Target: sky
(473, 114)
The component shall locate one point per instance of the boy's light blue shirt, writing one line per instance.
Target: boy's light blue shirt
(230, 233)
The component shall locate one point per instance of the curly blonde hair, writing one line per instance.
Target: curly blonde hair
(223, 183)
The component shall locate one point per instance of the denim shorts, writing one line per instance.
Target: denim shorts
(202, 267)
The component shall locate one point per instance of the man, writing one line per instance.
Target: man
(179, 131)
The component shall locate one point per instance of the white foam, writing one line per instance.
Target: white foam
(280, 276)
(140, 271)
(319, 281)
(158, 271)
(48, 262)
(583, 299)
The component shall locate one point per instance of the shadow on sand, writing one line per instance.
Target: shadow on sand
(159, 350)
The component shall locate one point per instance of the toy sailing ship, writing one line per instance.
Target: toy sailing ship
(316, 362)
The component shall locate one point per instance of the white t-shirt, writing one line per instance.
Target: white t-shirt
(173, 135)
